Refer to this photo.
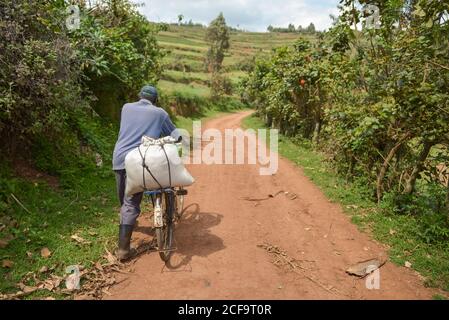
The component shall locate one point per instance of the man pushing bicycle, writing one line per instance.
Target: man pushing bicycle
(138, 119)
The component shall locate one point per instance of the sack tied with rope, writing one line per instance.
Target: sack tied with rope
(155, 165)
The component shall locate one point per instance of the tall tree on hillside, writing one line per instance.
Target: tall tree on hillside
(217, 35)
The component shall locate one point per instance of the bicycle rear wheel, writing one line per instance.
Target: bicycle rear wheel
(164, 234)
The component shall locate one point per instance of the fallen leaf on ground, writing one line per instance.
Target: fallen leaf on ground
(99, 266)
(364, 268)
(45, 253)
(55, 281)
(408, 264)
(27, 289)
(7, 264)
(43, 269)
(79, 239)
(110, 257)
(392, 232)
(47, 284)
(4, 243)
(29, 254)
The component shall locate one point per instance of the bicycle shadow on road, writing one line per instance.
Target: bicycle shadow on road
(193, 237)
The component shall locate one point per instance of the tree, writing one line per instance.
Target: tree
(291, 27)
(311, 28)
(217, 35)
(300, 29)
(180, 18)
(270, 28)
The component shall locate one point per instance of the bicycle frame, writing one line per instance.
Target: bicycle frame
(156, 197)
(165, 218)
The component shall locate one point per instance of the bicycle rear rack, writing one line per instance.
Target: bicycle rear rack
(181, 192)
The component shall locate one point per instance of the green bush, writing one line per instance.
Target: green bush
(377, 101)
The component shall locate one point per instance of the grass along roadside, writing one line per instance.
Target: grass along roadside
(398, 232)
(49, 228)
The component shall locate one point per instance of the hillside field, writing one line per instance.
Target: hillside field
(186, 48)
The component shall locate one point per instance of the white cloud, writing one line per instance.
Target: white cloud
(253, 15)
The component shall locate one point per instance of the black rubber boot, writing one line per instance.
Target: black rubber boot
(124, 242)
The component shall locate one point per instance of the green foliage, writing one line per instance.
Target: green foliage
(119, 54)
(39, 73)
(292, 29)
(217, 35)
(220, 85)
(376, 100)
(190, 104)
(50, 75)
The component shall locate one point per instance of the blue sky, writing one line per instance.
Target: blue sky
(252, 15)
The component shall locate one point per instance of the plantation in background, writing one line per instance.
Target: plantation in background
(185, 73)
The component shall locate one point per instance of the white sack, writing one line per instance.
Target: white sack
(156, 160)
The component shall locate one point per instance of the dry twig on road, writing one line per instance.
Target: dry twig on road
(281, 256)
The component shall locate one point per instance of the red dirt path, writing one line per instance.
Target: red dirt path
(218, 255)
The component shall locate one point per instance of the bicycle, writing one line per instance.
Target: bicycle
(168, 205)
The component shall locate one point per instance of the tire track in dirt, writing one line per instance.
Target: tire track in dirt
(220, 236)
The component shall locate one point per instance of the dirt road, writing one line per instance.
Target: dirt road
(219, 254)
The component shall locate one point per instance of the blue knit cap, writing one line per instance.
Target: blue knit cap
(148, 92)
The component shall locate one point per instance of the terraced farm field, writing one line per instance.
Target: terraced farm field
(184, 70)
